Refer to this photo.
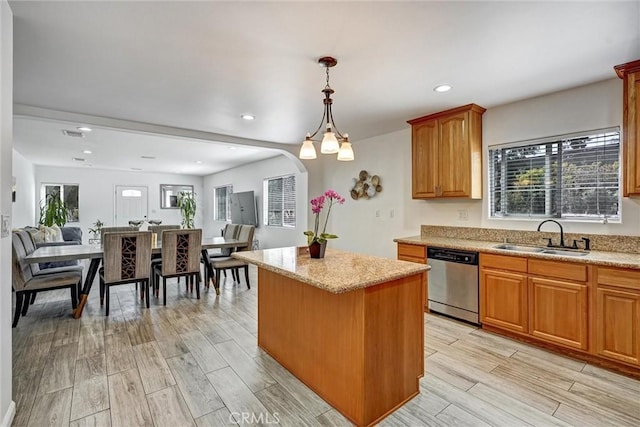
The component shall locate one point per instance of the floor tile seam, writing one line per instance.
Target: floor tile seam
(609, 396)
(306, 413)
(564, 368)
(34, 396)
(583, 402)
(31, 412)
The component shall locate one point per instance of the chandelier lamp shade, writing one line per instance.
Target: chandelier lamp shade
(332, 140)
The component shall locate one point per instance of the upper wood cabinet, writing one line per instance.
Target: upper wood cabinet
(446, 152)
(630, 74)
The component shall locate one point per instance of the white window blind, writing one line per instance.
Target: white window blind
(221, 203)
(574, 176)
(280, 201)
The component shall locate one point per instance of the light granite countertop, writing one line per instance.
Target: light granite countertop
(615, 259)
(338, 272)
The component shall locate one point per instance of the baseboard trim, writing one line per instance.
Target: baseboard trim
(8, 417)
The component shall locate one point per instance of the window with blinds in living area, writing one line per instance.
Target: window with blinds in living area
(221, 203)
(280, 201)
(575, 176)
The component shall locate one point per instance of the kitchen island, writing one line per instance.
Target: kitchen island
(349, 326)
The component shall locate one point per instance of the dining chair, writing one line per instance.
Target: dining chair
(230, 231)
(181, 252)
(104, 230)
(229, 263)
(25, 283)
(158, 229)
(127, 259)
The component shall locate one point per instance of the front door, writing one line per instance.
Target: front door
(131, 204)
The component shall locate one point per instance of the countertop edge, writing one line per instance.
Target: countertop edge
(415, 269)
(593, 257)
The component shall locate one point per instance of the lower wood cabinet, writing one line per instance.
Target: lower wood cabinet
(559, 312)
(547, 300)
(617, 314)
(503, 297)
(415, 253)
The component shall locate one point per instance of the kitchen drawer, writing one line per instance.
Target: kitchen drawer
(621, 278)
(416, 253)
(559, 270)
(502, 262)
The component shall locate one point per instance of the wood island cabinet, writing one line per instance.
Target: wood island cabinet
(617, 314)
(630, 74)
(446, 152)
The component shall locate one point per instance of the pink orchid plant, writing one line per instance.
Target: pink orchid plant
(317, 204)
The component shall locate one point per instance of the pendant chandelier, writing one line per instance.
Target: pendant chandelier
(333, 141)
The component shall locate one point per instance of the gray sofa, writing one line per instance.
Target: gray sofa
(71, 236)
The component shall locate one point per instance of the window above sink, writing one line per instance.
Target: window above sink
(575, 176)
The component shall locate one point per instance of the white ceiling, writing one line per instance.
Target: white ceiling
(43, 143)
(200, 65)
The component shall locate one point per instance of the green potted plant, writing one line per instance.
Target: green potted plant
(187, 206)
(54, 211)
(96, 229)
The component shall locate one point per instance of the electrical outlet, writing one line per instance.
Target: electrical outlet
(463, 215)
(392, 213)
(378, 213)
(6, 225)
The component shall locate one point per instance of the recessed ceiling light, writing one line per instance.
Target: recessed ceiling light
(248, 116)
(87, 151)
(148, 157)
(78, 159)
(199, 162)
(84, 129)
(233, 148)
(442, 88)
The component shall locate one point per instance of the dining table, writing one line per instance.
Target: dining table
(95, 253)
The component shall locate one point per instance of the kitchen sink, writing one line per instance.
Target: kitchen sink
(563, 252)
(509, 247)
(539, 250)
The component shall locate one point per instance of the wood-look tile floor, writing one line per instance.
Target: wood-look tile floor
(196, 362)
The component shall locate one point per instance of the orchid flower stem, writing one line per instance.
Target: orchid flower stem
(324, 229)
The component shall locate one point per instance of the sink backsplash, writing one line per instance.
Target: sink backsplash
(599, 242)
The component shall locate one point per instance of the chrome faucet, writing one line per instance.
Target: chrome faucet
(561, 232)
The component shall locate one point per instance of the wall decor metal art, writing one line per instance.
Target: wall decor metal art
(365, 186)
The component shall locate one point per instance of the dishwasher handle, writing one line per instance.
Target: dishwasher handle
(452, 255)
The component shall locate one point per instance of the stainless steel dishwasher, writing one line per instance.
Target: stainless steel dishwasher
(453, 283)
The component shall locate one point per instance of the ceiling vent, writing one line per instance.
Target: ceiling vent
(73, 133)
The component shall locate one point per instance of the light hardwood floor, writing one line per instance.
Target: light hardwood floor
(197, 363)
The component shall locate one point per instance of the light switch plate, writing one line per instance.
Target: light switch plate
(6, 225)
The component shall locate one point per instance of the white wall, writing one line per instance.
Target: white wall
(97, 192)
(588, 107)
(250, 178)
(24, 208)
(584, 108)
(7, 406)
